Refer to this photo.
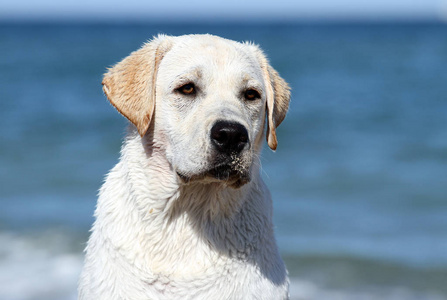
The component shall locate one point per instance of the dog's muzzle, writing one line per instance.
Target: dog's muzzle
(229, 139)
(229, 162)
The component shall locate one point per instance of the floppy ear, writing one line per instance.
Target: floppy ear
(130, 84)
(278, 98)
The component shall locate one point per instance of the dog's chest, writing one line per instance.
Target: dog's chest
(229, 280)
(180, 263)
(192, 268)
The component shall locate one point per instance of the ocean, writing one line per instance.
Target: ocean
(359, 179)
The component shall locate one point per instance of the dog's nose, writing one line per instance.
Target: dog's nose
(229, 137)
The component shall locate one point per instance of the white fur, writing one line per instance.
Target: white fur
(159, 237)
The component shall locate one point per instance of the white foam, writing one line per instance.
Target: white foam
(34, 269)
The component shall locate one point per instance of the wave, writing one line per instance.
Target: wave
(47, 264)
(306, 290)
(38, 267)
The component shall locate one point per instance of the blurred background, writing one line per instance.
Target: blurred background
(359, 180)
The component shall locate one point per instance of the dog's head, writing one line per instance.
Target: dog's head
(207, 99)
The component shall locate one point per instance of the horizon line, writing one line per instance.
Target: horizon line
(132, 19)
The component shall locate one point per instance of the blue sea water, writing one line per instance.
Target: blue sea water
(359, 180)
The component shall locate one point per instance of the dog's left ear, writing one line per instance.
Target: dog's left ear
(130, 84)
(278, 98)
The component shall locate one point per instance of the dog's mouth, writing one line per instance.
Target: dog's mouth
(236, 178)
(226, 173)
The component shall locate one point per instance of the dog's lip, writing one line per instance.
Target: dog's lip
(219, 173)
(223, 172)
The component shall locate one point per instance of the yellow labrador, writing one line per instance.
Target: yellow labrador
(185, 213)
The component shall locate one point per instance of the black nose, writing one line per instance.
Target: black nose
(229, 137)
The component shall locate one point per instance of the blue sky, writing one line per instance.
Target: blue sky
(248, 10)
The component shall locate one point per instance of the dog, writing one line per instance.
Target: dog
(185, 213)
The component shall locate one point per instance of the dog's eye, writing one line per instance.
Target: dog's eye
(187, 89)
(251, 95)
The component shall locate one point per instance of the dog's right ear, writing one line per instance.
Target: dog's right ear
(130, 84)
(278, 97)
